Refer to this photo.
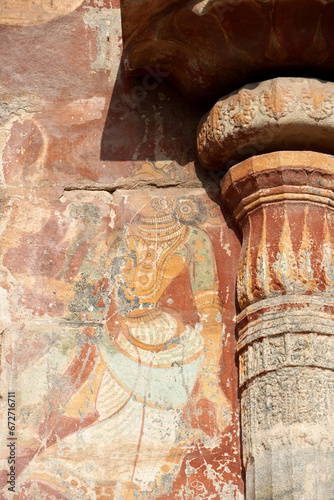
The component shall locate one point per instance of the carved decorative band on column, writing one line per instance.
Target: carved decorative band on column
(306, 337)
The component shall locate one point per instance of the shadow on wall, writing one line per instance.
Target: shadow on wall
(148, 119)
(150, 123)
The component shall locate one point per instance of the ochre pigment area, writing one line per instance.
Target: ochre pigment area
(166, 263)
(117, 273)
(23, 12)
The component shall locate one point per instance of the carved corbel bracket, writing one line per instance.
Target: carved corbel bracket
(208, 47)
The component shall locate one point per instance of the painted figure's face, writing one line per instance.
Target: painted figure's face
(140, 201)
(149, 203)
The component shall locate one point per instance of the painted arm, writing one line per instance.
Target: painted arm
(204, 282)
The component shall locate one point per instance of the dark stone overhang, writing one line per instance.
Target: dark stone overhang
(207, 48)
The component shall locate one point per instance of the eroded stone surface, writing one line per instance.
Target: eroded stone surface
(208, 48)
(280, 114)
(283, 204)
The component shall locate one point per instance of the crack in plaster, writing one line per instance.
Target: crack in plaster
(112, 188)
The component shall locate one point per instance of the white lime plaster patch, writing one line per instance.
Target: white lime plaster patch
(107, 23)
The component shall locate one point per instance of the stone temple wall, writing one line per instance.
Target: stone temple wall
(117, 273)
(167, 256)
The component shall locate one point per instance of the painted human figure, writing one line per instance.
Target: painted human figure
(148, 372)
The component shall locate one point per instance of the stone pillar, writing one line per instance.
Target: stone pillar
(283, 203)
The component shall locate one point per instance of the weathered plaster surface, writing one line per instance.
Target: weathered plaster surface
(22, 12)
(101, 197)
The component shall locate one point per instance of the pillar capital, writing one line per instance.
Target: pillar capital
(294, 176)
(274, 115)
